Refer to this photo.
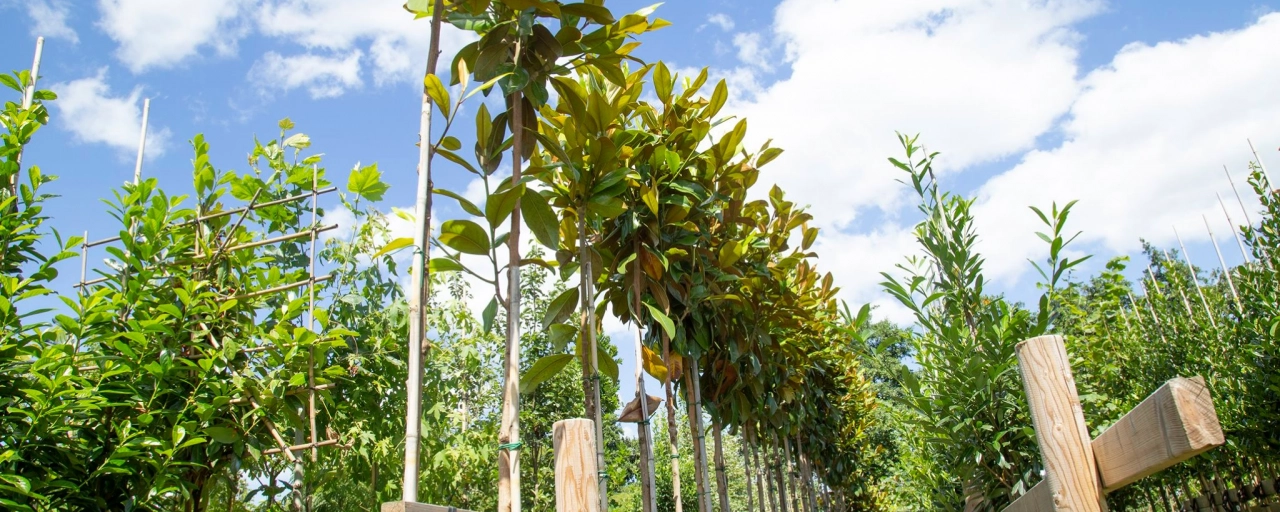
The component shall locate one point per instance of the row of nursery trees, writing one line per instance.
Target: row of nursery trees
(169, 385)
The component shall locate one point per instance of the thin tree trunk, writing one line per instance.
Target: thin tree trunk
(420, 281)
(672, 427)
(642, 428)
(509, 435)
(594, 410)
(791, 475)
(778, 469)
(765, 506)
(806, 474)
(746, 472)
(722, 480)
(696, 432)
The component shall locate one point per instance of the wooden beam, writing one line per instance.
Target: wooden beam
(409, 506)
(1175, 423)
(1037, 499)
(1070, 470)
(577, 484)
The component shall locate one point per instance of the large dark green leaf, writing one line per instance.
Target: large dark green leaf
(464, 236)
(541, 219)
(542, 370)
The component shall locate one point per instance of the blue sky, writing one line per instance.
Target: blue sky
(1131, 107)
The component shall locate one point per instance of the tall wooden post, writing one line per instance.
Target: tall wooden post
(722, 479)
(576, 473)
(1070, 468)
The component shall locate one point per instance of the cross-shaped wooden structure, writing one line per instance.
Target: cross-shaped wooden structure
(1175, 423)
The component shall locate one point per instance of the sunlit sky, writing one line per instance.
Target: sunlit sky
(1130, 107)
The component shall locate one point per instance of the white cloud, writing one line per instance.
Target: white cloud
(1145, 144)
(752, 50)
(981, 79)
(719, 19)
(397, 43)
(87, 109)
(322, 76)
(164, 33)
(49, 19)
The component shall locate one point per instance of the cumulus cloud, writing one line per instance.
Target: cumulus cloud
(1144, 149)
(162, 33)
(982, 79)
(93, 114)
(752, 50)
(719, 19)
(49, 19)
(322, 76)
(396, 43)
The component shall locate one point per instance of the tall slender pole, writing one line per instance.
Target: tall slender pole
(589, 326)
(1194, 281)
(28, 97)
(1261, 167)
(673, 433)
(311, 309)
(509, 433)
(746, 471)
(1226, 271)
(419, 279)
(1235, 230)
(142, 141)
(1247, 220)
(642, 427)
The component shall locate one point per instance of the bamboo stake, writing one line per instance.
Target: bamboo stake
(762, 479)
(28, 97)
(275, 433)
(790, 475)
(311, 313)
(1194, 280)
(1185, 303)
(1261, 167)
(806, 472)
(778, 469)
(700, 472)
(418, 274)
(1235, 230)
(1238, 199)
(587, 278)
(1226, 271)
(142, 141)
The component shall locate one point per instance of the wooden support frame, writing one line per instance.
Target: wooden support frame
(1173, 424)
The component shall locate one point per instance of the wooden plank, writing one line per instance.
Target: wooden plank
(1175, 423)
(1070, 470)
(1036, 499)
(409, 506)
(577, 485)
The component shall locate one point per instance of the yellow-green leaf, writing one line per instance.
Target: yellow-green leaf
(438, 93)
(392, 246)
(464, 236)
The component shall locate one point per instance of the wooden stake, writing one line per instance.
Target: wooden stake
(418, 279)
(700, 473)
(576, 472)
(509, 433)
(1058, 418)
(746, 472)
(1238, 199)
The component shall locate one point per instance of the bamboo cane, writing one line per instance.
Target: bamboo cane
(673, 434)
(746, 472)
(418, 274)
(1194, 281)
(142, 141)
(1261, 167)
(1235, 230)
(28, 97)
(722, 479)
(1238, 199)
(589, 326)
(1226, 271)
(509, 433)
(311, 312)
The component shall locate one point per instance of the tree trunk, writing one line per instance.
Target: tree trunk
(746, 473)
(509, 433)
(722, 479)
(642, 428)
(696, 432)
(789, 469)
(778, 471)
(591, 353)
(806, 474)
(765, 506)
(419, 278)
(673, 430)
